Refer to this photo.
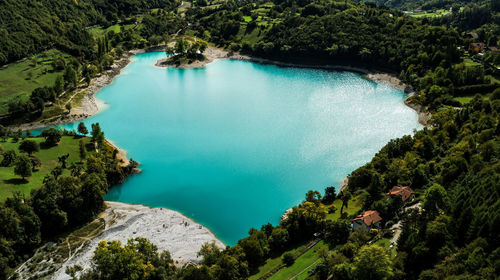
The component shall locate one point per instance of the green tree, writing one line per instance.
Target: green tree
(336, 232)
(70, 76)
(16, 135)
(138, 259)
(435, 199)
(193, 272)
(313, 196)
(210, 253)
(9, 158)
(83, 150)
(372, 263)
(23, 166)
(288, 259)
(3, 132)
(82, 129)
(59, 85)
(330, 195)
(56, 172)
(345, 197)
(52, 136)
(343, 271)
(92, 190)
(29, 146)
(278, 239)
(97, 134)
(181, 46)
(35, 162)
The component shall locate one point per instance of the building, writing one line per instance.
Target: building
(404, 192)
(368, 219)
(476, 47)
(472, 35)
(493, 49)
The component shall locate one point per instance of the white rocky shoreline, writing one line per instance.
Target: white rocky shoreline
(167, 229)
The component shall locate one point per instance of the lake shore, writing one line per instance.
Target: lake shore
(89, 105)
(212, 53)
(167, 229)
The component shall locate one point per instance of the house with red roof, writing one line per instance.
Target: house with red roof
(367, 219)
(477, 47)
(493, 49)
(404, 192)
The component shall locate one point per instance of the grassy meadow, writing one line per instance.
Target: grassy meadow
(9, 182)
(430, 14)
(19, 79)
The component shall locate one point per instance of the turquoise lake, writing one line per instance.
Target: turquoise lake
(235, 144)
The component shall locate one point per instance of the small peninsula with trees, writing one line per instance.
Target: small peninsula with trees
(426, 206)
(184, 53)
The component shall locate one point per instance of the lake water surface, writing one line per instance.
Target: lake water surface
(235, 144)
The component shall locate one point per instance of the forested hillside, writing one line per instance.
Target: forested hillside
(425, 4)
(28, 27)
(423, 55)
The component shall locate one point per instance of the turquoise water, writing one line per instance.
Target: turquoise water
(236, 144)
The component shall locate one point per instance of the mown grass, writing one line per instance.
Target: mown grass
(432, 14)
(19, 79)
(354, 207)
(302, 264)
(471, 63)
(98, 31)
(9, 182)
(308, 260)
(468, 98)
(273, 263)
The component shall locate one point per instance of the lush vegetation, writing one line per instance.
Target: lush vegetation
(67, 174)
(48, 157)
(29, 27)
(186, 52)
(453, 165)
(80, 38)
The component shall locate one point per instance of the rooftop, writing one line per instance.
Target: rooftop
(369, 217)
(403, 191)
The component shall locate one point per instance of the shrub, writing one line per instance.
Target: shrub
(496, 94)
(288, 259)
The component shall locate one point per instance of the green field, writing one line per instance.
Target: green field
(19, 79)
(304, 263)
(275, 263)
(9, 182)
(354, 207)
(471, 63)
(431, 14)
(274, 268)
(98, 31)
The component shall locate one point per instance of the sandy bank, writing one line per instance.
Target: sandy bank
(167, 229)
(89, 104)
(212, 53)
(121, 155)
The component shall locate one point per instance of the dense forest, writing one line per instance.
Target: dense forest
(28, 27)
(453, 163)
